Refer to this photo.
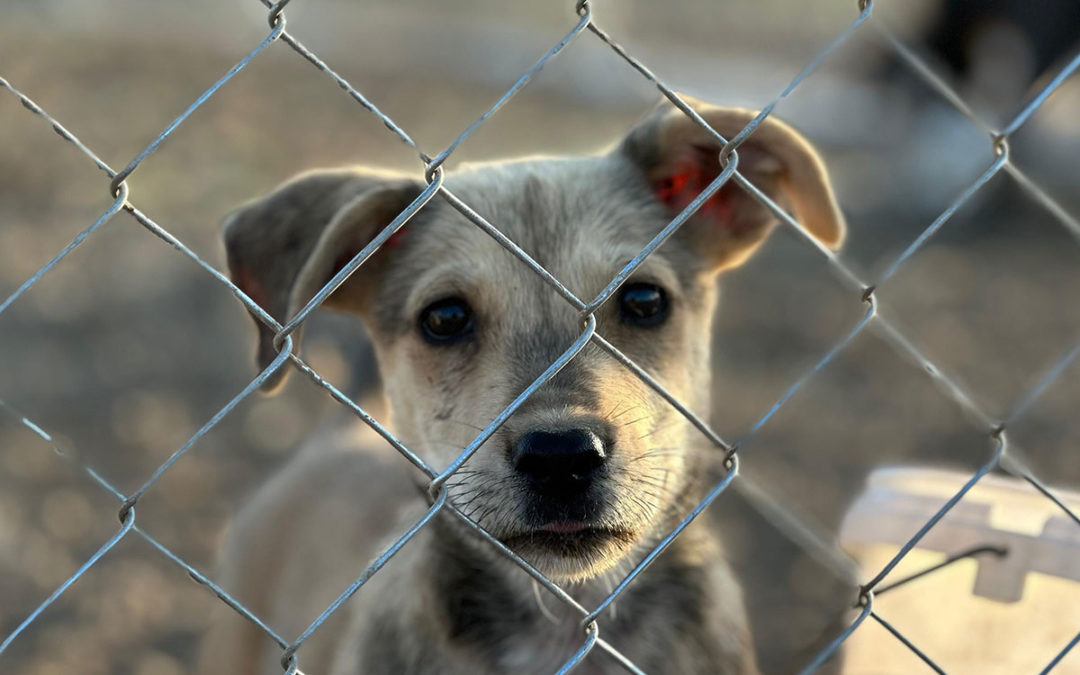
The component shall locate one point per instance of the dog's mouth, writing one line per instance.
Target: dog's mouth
(573, 542)
(564, 526)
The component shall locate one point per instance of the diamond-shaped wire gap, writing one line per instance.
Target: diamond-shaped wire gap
(984, 298)
(354, 93)
(811, 452)
(671, 228)
(560, 113)
(192, 503)
(127, 351)
(117, 75)
(1010, 609)
(455, 62)
(732, 54)
(585, 16)
(897, 154)
(64, 510)
(356, 474)
(154, 144)
(243, 161)
(363, 492)
(780, 317)
(311, 633)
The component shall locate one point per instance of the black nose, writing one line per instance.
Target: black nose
(559, 460)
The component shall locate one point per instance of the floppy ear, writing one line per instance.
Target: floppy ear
(679, 159)
(284, 247)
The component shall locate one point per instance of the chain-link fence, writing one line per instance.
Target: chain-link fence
(862, 290)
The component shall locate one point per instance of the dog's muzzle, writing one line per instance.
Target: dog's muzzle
(560, 468)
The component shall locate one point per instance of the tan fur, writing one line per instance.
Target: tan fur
(446, 603)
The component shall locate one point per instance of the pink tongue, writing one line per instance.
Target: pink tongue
(563, 526)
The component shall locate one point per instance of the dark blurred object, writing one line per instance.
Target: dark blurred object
(996, 49)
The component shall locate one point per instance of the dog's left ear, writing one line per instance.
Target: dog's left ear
(284, 247)
(679, 159)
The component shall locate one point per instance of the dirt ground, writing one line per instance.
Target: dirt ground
(125, 349)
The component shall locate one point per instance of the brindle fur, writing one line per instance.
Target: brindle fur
(448, 603)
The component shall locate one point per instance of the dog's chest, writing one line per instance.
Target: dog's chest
(554, 636)
(547, 647)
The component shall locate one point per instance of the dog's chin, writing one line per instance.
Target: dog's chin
(572, 553)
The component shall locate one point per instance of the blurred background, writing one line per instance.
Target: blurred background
(126, 348)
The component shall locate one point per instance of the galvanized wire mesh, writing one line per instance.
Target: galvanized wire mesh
(862, 290)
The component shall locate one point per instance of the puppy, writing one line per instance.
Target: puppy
(583, 480)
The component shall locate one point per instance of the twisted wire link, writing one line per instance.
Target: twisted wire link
(433, 174)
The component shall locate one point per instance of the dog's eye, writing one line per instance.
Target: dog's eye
(446, 320)
(643, 304)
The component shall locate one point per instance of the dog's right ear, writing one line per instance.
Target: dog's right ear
(679, 159)
(284, 247)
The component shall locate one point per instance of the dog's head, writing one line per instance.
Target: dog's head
(595, 462)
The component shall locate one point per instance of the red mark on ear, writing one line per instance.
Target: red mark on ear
(668, 189)
(682, 187)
